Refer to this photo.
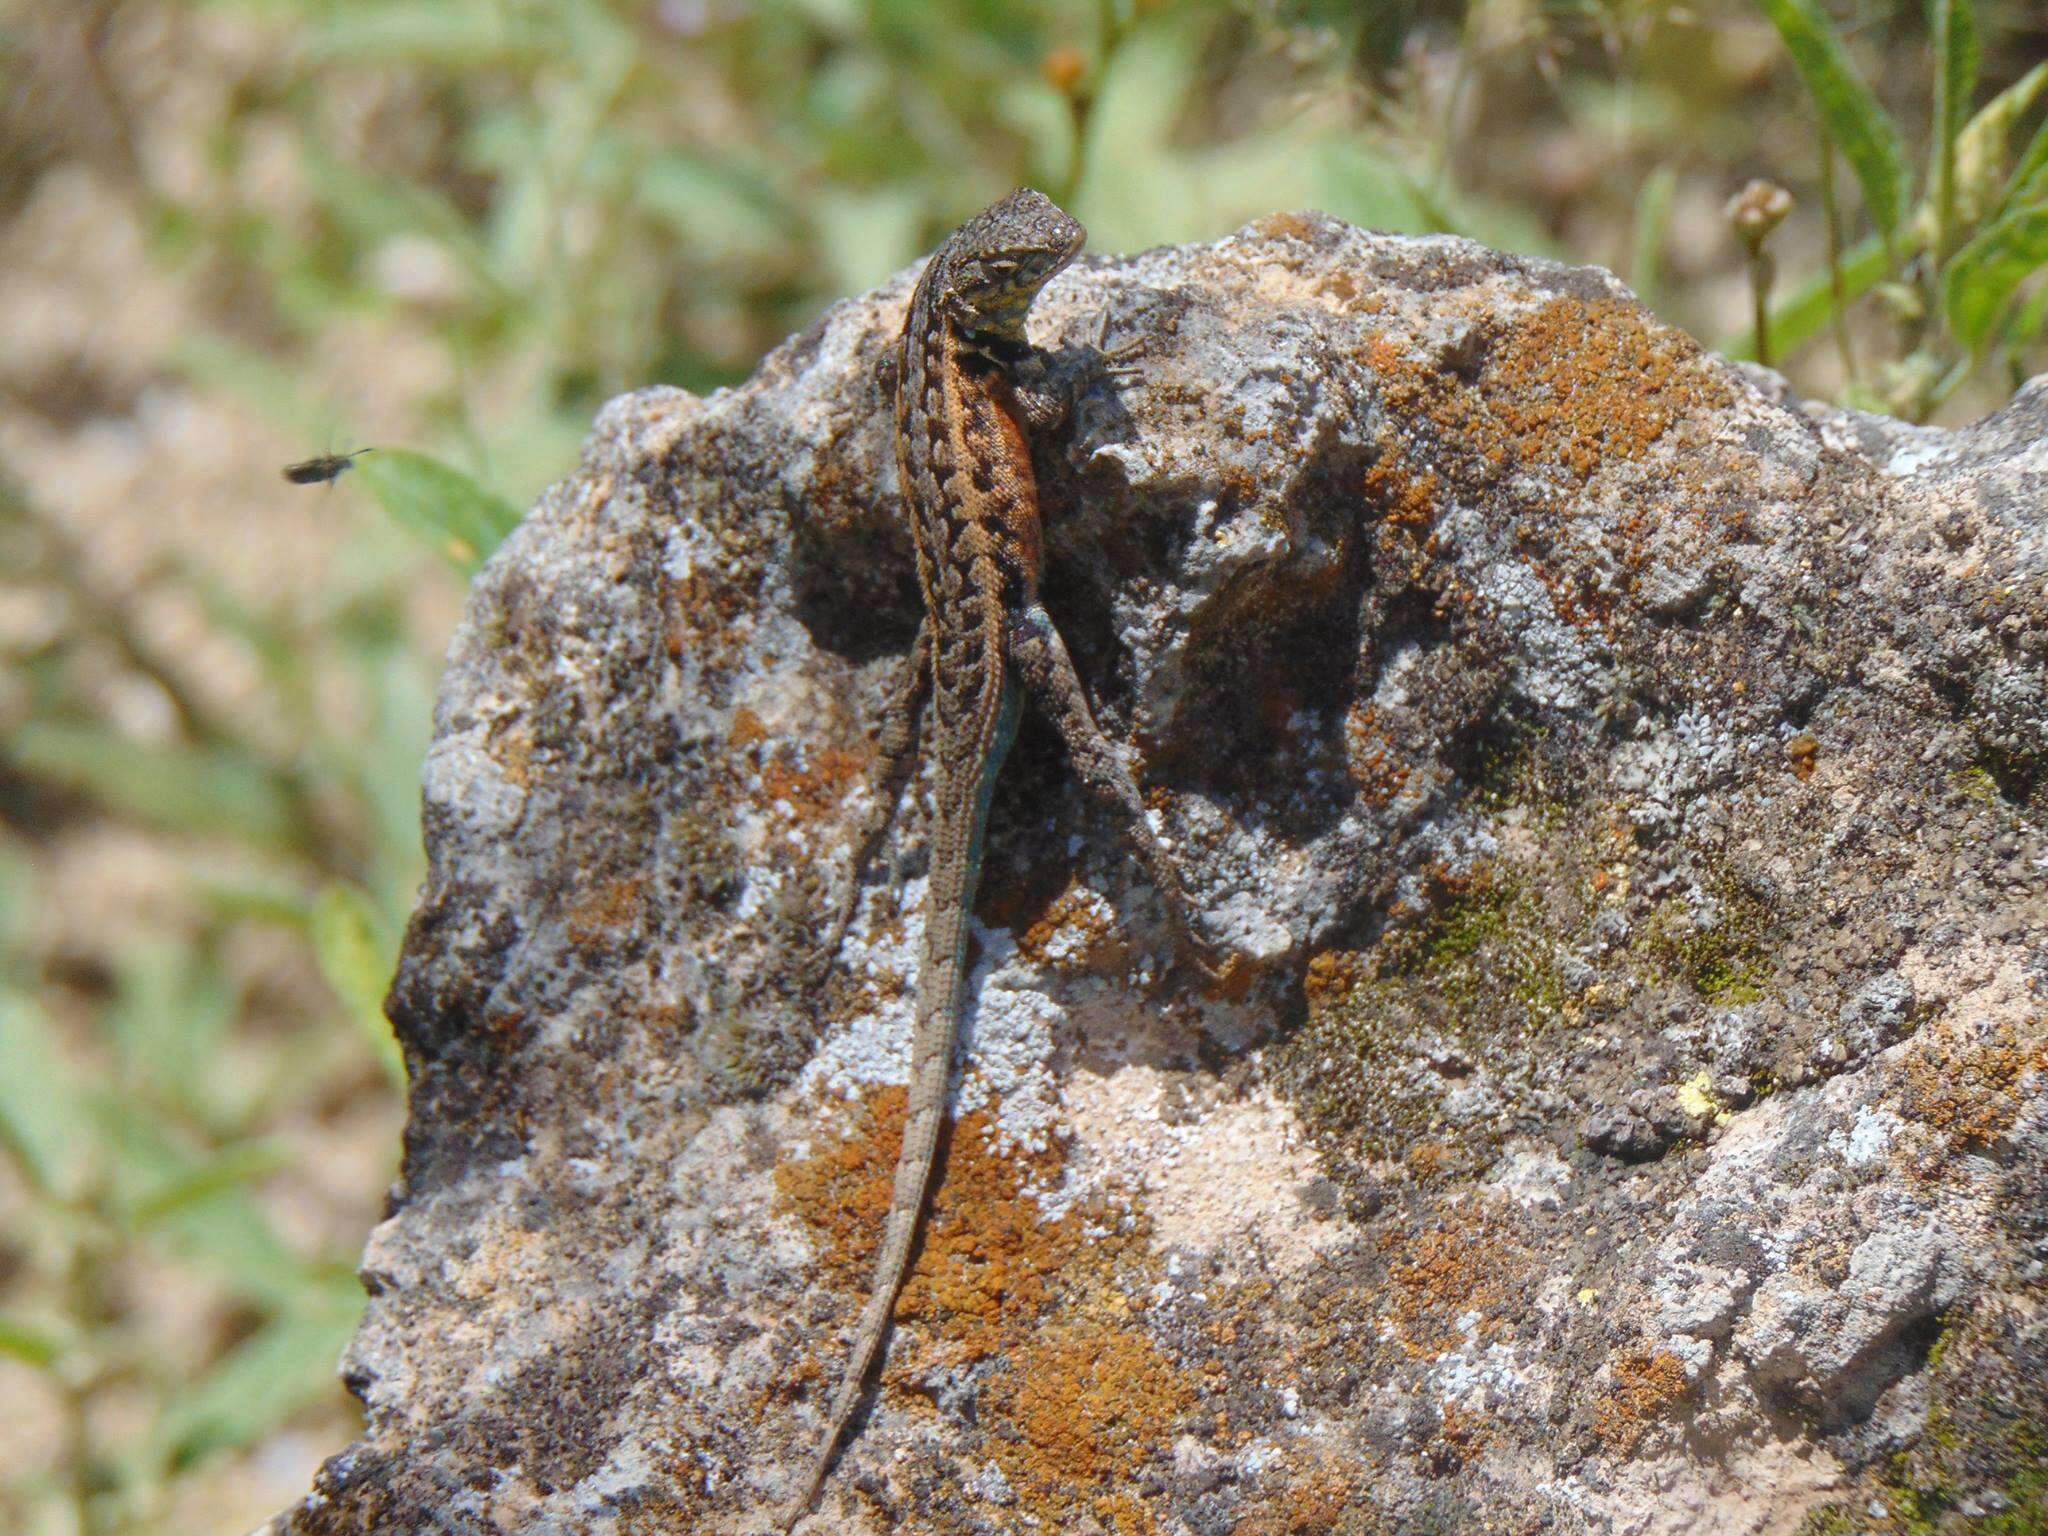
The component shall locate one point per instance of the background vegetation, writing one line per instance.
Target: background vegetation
(241, 232)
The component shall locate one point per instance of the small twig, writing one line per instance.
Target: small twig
(97, 25)
(199, 722)
(67, 563)
(1838, 295)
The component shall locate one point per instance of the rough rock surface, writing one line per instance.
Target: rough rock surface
(1625, 785)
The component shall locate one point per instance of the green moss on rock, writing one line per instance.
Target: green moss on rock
(1725, 960)
(1395, 1031)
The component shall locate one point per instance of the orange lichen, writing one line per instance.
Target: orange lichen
(602, 912)
(1386, 356)
(1570, 390)
(1462, 1432)
(1800, 753)
(1083, 1397)
(511, 747)
(812, 790)
(1970, 1091)
(1285, 226)
(1074, 931)
(988, 1254)
(703, 614)
(1343, 287)
(1578, 596)
(1331, 975)
(1455, 1284)
(1311, 1502)
(1582, 384)
(1402, 495)
(1547, 404)
(1427, 1160)
(1124, 1514)
(1371, 759)
(1643, 1385)
(1090, 1402)
(659, 1509)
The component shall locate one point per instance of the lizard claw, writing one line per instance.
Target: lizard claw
(1229, 978)
(1219, 969)
(1118, 358)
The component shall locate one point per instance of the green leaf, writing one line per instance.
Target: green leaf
(1804, 313)
(387, 770)
(439, 503)
(1132, 192)
(372, 208)
(717, 211)
(1849, 110)
(2028, 321)
(223, 1230)
(1360, 184)
(1984, 273)
(254, 899)
(228, 367)
(29, 1344)
(2029, 180)
(41, 1117)
(179, 789)
(447, 34)
(602, 44)
(279, 648)
(1651, 225)
(286, 1364)
(137, 1150)
(170, 1014)
(357, 957)
(1498, 224)
(18, 899)
(864, 236)
(1982, 147)
(1954, 24)
(227, 1169)
(1043, 119)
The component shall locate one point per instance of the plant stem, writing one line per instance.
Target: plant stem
(1839, 299)
(1946, 123)
(1948, 384)
(1760, 273)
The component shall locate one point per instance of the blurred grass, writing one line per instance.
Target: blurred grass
(460, 225)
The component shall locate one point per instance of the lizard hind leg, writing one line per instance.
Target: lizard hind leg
(1041, 660)
(894, 749)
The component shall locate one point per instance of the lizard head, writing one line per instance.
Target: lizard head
(998, 260)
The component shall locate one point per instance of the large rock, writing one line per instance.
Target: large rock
(1624, 786)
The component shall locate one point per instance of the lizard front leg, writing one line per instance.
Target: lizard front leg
(1046, 397)
(1042, 662)
(1043, 405)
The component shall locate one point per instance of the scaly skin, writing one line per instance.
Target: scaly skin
(972, 502)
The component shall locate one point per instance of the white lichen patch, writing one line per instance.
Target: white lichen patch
(1762, 1490)
(1007, 1037)
(1225, 1178)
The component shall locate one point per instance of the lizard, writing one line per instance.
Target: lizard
(985, 643)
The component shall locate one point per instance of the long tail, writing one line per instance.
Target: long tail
(955, 864)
